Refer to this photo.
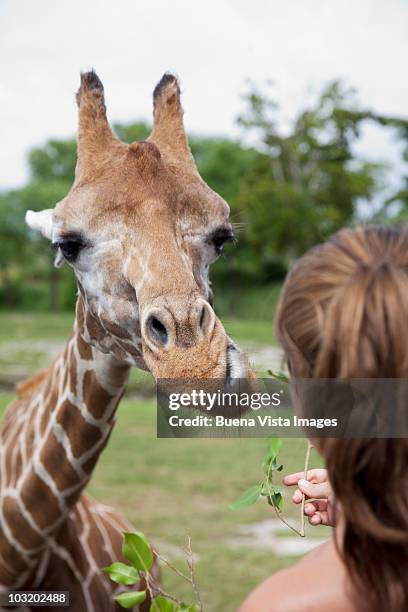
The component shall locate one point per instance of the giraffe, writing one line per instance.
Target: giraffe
(140, 229)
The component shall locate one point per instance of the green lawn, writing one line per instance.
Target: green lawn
(174, 488)
(250, 331)
(35, 326)
(29, 341)
(56, 326)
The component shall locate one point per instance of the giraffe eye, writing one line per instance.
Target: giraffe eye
(70, 249)
(220, 238)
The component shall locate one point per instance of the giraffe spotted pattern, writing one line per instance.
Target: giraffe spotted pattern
(52, 435)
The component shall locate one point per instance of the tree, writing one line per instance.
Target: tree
(306, 183)
(395, 207)
(29, 277)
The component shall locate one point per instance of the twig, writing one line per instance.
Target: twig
(173, 568)
(190, 579)
(190, 563)
(160, 591)
(302, 506)
(277, 511)
(148, 578)
(285, 522)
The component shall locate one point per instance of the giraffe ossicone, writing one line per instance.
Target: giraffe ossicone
(140, 229)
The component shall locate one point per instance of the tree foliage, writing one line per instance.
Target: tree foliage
(305, 184)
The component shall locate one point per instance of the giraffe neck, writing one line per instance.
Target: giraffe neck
(51, 442)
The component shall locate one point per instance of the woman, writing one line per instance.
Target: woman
(343, 313)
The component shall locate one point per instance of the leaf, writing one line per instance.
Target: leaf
(161, 604)
(269, 488)
(276, 500)
(249, 497)
(265, 464)
(188, 608)
(131, 598)
(279, 376)
(122, 573)
(274, 447)
(269, 464)
(137, 550)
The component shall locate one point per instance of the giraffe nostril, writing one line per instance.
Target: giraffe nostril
(157, 331)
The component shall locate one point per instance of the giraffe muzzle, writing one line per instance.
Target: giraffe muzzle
(183, 338)
(164, 328)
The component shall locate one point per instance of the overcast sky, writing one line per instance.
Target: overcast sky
(213, 45)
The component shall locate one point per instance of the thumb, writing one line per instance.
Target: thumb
(319, 490)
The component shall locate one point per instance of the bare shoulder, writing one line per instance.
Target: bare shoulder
(314, 584)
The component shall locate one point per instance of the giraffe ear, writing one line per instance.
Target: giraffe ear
(40, 221)
(95, 137)
(168, 129)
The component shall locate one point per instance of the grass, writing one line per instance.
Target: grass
(35, 326)
(28, 342)
(169, 488)
(56, 327)
(174, 488)
(250, 331)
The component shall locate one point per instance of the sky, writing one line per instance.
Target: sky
(214, 46)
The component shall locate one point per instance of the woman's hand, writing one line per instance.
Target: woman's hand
(319, 504)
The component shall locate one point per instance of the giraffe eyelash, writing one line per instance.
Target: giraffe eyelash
(220, 238)
(68, 248)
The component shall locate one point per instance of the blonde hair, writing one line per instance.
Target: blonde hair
(343, 313)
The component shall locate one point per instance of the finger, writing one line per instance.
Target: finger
(310, 509)
(292, 479)
(321, 505)
(321, 518)
(315, 475)
(320, 490)
(297, 496)
(316, 505)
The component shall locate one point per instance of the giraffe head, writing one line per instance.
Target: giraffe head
(140, 228)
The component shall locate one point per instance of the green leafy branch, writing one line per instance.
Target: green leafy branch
(137, 549)
(267, 487)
